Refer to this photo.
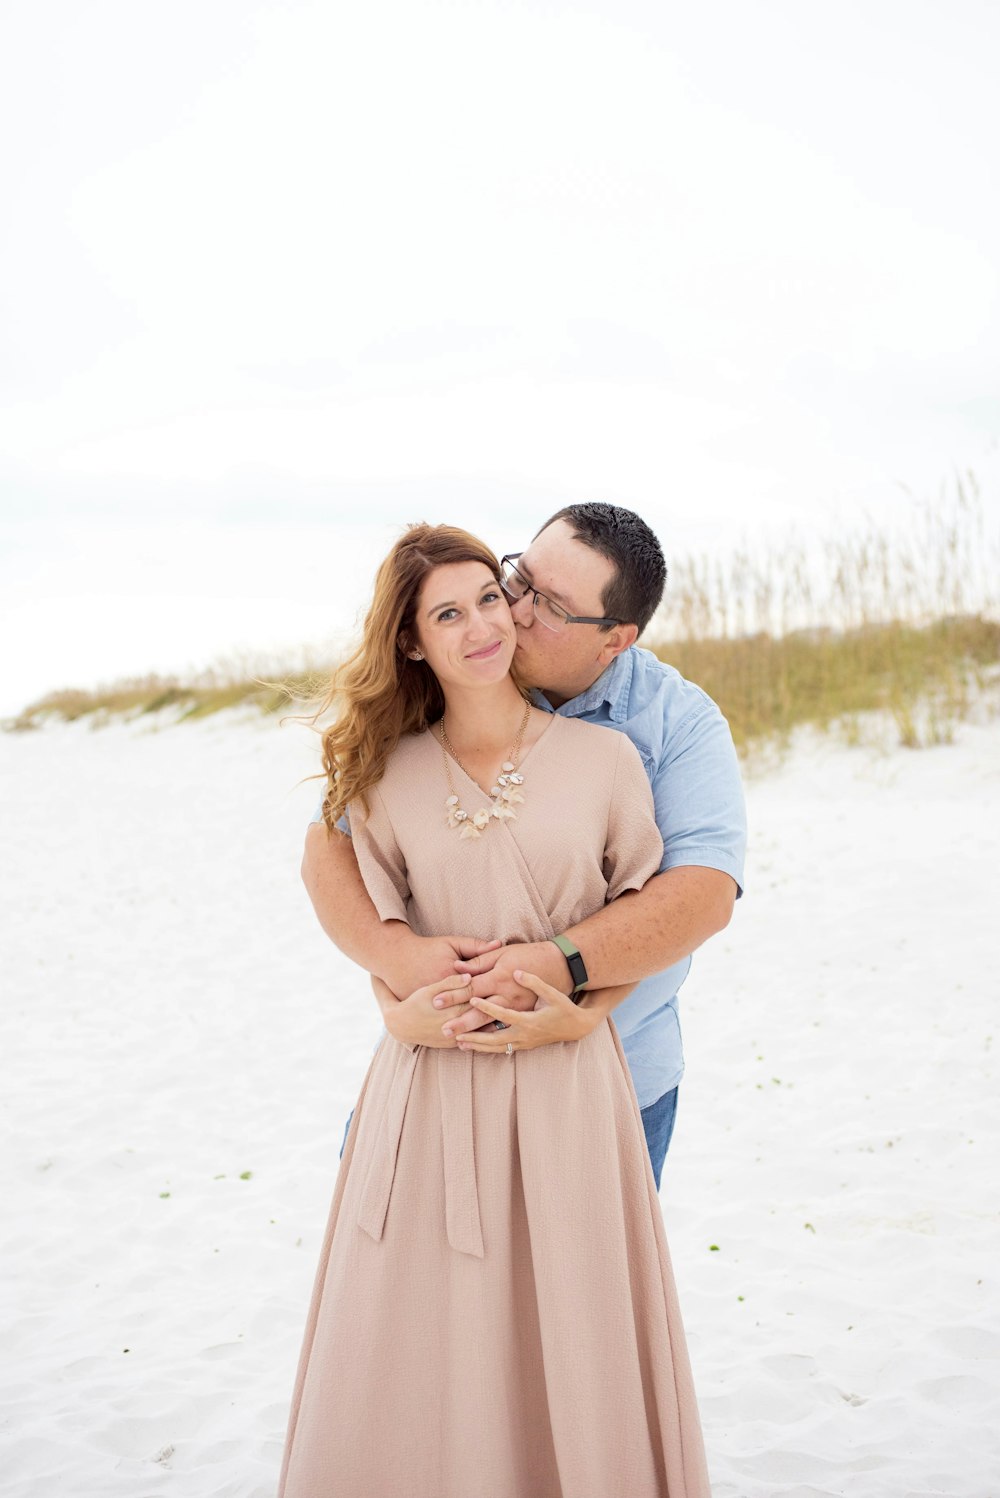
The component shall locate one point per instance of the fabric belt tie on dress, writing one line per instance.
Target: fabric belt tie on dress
(461, 1195)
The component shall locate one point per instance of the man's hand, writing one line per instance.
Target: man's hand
(414, 1020)
(408, 961)
(494, 977)
(555, 1018)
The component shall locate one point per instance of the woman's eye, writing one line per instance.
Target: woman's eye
(445, 615)
(492, 597)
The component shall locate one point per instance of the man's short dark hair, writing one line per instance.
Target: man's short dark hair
(634, 591)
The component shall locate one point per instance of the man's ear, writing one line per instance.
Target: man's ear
(616, 640)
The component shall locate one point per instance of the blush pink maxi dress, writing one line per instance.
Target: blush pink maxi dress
(494, 1313)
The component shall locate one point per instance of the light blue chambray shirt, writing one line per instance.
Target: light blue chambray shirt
(688, 754)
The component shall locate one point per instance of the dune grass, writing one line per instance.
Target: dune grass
(904, 622)
(196, 696)
(927, 678)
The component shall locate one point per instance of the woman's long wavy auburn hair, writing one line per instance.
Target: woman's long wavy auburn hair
(381, 693)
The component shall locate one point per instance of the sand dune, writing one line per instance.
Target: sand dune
(182, 1046)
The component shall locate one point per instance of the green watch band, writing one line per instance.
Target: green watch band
(577, 966)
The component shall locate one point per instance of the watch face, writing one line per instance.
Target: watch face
(577, 969)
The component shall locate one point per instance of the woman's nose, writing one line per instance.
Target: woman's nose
(479, 627)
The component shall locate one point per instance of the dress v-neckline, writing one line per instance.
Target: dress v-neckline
(452, 761)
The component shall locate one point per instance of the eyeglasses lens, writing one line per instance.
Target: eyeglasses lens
(549, 613)
(513, 584)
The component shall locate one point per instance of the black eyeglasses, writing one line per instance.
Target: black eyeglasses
(547, 612)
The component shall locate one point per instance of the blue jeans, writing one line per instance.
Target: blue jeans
(657, 1121)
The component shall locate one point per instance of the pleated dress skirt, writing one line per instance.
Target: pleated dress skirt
(494, 1312)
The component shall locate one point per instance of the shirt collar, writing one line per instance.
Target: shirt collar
(611, 687)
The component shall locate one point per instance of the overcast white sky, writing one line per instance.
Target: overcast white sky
(276, 278)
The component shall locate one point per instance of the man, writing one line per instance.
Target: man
(580, 596)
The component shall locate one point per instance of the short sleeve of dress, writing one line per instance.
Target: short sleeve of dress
(380, 859)
(633, 847)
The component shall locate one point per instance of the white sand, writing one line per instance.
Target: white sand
(173, 1018)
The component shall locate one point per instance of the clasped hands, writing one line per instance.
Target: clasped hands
(491, 982)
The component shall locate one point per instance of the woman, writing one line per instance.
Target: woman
(494, 1313)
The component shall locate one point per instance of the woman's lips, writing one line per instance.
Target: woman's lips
(482, 655)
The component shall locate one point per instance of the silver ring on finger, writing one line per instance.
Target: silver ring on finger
(498, 1024)
(510, 1048)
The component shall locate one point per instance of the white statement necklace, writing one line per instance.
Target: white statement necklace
(505, 794)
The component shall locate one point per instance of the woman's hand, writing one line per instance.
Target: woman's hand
(414, 1020)
(554, 1018)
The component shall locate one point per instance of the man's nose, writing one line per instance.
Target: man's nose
(523, 610)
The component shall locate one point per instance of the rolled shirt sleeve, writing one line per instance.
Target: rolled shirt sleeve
(343, 825)
(699, 796)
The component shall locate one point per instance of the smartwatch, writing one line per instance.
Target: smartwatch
(577, 966)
